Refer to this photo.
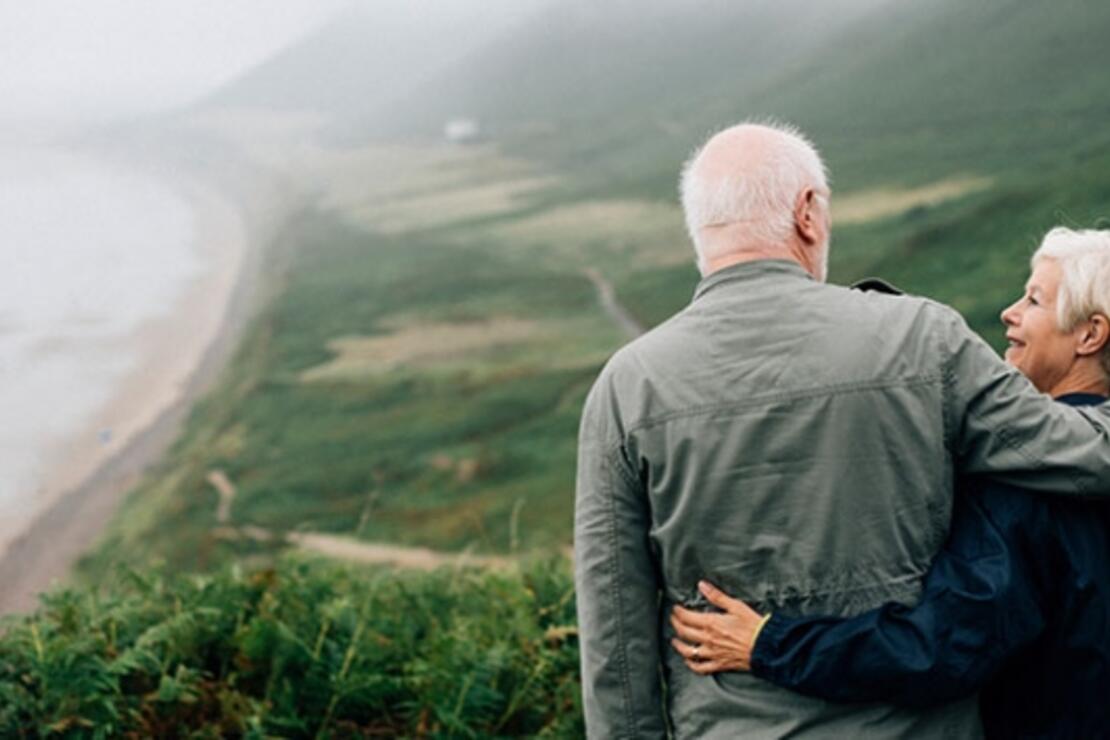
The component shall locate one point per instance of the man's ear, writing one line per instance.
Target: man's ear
(1094, 334)
(805, 216)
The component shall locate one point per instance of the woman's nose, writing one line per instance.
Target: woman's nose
(1010, 314)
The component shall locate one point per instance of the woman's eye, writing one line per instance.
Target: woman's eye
(1033, 301)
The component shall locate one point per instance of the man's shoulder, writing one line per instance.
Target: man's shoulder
(638, 367)
(869, 305)
(883, 295)
(875, 295)
(871, 314)
(661, 340)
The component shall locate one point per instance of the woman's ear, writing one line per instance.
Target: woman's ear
(1093, 335)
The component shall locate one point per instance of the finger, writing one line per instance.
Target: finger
(682, 616)
(692, 618)
(717, 597)
(689, 652)
(691, 635)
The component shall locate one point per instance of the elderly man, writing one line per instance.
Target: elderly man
(792, 442)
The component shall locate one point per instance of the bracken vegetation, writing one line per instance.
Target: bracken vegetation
(307, 649)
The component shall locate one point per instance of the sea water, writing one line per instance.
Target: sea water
(89, 252)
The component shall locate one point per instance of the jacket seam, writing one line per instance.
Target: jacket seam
(819, 392)
(947, 380)
(901, 587)
(615, 592)
(1010, 441)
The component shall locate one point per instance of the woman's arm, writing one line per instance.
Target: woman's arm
(982, 601)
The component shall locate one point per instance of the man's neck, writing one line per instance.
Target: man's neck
(734, 248)
(737, 258)
(753, 255)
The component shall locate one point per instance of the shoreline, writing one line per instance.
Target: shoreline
(155, 398)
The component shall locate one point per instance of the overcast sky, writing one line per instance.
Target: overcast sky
(63, 58)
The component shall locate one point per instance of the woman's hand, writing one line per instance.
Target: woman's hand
(712, 642)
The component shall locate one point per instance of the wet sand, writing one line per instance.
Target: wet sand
(181, 355)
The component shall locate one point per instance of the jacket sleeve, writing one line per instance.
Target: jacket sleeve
(999, 425)
(616, 583)
(983, 600)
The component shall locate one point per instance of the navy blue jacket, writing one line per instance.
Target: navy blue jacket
(1017, 603)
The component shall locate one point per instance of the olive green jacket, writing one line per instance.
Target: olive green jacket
(794, 443)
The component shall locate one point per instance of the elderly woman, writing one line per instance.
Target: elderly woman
(1018, 600)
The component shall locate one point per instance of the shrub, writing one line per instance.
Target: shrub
(309, 649)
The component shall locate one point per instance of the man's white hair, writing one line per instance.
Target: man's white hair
(762, 197)
(1084, 259)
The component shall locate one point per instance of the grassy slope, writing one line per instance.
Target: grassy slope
(477, 450)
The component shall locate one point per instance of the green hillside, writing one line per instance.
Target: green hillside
(417, 377)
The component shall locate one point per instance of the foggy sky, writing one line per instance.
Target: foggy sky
(82, 58)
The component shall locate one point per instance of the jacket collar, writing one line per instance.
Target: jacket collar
(745, 271)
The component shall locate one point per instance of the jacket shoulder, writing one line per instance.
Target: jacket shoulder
(886, 296)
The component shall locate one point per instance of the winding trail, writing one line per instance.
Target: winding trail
(339, 547)
(356, 551)
(607, 297)
(223, 486)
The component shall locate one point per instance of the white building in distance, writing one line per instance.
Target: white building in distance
(462, 130)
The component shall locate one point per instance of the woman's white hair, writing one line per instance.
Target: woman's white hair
(1084, 259)
(763, 196)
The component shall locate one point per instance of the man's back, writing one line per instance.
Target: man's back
(791, 437)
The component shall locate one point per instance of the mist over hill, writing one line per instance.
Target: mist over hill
(623, 89)
(365, 57)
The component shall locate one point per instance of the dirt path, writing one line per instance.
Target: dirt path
(335, 546)
(356, 551)
(607, 296)
(223, 487)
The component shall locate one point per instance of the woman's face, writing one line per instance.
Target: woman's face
(1037, 346)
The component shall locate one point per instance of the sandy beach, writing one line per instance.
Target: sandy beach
(180, 355)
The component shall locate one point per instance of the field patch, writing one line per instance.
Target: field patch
(395, 215)
(395, 189)
(591, 231)
(419, 346)
(873, 205)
